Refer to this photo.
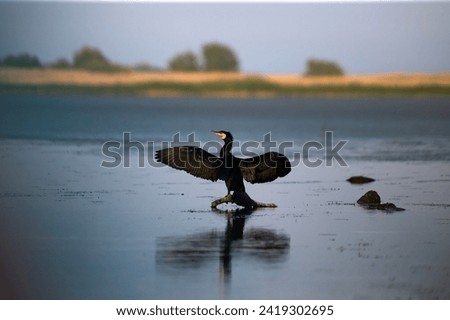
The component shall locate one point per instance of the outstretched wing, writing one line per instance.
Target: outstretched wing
(193, 160)
(264, 168)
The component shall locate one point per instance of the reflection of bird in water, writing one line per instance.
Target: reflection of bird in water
(200, 163)
(192, 251)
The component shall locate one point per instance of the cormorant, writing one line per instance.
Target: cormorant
(200, 163)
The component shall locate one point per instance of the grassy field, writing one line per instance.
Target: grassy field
(46, 81)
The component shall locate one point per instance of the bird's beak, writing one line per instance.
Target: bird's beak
(219, 134)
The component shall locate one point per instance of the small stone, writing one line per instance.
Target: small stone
(360, 180)
(370, 198)
(389, 207)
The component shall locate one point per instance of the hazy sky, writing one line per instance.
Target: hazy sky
(268, 38)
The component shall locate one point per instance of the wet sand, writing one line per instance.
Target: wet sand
(73, 230)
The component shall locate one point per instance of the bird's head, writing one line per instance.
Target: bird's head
(224, 135)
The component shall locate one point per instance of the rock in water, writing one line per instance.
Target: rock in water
(360, 180)
(369, 198)
(389, 207)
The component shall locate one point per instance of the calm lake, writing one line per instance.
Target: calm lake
(72, 229)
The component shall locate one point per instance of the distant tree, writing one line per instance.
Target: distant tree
(219, 57)
(186, 61)
(90, 58)
(60, 64)
(93, 59)
(315, 67)
(21, 61)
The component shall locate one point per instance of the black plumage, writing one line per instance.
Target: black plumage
(200, 163)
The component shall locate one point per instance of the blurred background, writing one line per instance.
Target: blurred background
(362, 37)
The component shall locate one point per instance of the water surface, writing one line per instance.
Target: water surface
(71, 229)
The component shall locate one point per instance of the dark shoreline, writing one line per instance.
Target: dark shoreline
(238, 88)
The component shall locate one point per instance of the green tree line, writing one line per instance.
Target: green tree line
(214, 57)
(86, 58)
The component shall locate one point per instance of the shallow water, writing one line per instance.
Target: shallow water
(71, 229)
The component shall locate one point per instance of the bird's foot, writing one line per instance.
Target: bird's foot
(265, 205)
(227, 199)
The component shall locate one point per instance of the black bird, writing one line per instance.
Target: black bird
(200, 163)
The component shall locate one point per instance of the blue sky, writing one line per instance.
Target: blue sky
(267, 37)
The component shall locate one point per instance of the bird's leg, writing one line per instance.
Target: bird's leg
(226, 199)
